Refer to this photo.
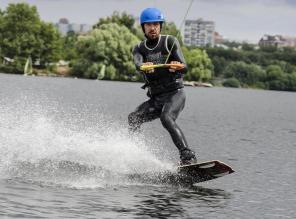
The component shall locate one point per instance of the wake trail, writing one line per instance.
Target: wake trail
(36, 146)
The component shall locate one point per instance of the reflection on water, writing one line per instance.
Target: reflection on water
(131, 201)
(164, 203)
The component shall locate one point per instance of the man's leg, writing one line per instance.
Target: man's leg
(144, 113)
(171, 109)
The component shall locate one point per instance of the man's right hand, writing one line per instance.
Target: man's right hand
(149, 71)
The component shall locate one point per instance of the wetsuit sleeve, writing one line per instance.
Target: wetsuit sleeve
(176, 54)
(138, 58)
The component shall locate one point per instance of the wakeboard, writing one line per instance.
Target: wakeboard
(200, 172)
(186, 174)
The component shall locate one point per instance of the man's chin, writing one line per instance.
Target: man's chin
(153, 36)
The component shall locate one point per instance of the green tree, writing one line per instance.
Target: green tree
(110, 45)
(124, 19)
(219, 64)
(274, 72)
(231, 82)
(280, 83)
(248, 47)
(285, 66)
(255, 74)
(127, 20)
(269, 49)
(227, 54)
(69, 48)
(20, 28)
(1, 28)
(231, 44)
(79, 66)
(199, 65)
(50, 40)
(245, 73)
(291, 86)
(253, 57)
(23, 34)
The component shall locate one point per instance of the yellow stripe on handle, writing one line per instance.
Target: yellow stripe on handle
(149, 67)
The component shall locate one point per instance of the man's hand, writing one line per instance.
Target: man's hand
(175, 68)
(149, 71)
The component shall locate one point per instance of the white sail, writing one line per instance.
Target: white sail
(28, 69)
(101, 73)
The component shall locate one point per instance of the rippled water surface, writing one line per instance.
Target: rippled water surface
(66, 152)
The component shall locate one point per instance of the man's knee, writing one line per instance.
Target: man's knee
(167, 120)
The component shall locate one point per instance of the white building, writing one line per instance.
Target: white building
(199, 33)
(64, 27)
(84, 28)
(75, 27)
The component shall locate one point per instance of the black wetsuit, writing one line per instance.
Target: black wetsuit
(165, 88)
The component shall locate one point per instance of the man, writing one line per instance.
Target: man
(165, 85)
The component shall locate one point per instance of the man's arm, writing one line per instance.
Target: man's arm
(138, 60)
(176, 53)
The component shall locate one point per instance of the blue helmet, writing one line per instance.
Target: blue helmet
(151, 15)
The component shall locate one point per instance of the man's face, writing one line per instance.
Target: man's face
(152, 30)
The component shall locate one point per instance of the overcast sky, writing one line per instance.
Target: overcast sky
(234, 19)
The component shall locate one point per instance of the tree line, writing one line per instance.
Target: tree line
(105, 52)
(266, 68)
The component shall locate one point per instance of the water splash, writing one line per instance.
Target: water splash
(36, 146)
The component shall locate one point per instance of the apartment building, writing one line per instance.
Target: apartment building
(64, 27)
(199, 33)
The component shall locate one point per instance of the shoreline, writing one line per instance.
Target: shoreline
(186, 83)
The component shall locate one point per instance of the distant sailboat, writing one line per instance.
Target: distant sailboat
(101, 74)
(28, 69)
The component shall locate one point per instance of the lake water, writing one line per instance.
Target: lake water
(65, 152)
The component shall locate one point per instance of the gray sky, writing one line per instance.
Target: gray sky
(235, 19)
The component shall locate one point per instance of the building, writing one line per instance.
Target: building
(76, 28)
(199, 33)
(290, 41)
(278, 41)
(64, 27)
(218, 39)
(84, 28)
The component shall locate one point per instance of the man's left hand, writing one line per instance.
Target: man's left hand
(174, 68)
